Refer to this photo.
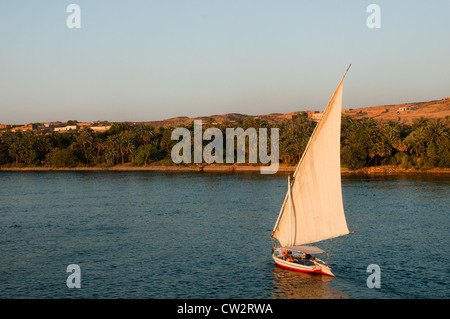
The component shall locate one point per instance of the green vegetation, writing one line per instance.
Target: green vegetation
(368, 142)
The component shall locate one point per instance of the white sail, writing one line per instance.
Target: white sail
(316, 210)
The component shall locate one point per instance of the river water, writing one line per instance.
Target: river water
(207, 235)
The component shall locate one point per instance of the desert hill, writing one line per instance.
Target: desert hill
(404, 113)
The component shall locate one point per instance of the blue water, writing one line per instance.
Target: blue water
(207, 235)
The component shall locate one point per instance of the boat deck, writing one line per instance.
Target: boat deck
(299, 260)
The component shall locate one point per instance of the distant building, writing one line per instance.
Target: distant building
(407, 108)
(23, 128)
(100, 128)
(53, 124)
(316, 116)
(65, 128)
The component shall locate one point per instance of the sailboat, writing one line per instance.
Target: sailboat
(313, 210)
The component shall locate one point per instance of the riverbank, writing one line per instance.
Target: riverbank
(378, 170)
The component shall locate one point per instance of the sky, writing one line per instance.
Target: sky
(156, 59)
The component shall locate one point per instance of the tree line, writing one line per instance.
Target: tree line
(366, 142)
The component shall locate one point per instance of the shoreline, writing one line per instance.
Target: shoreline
(378, 170)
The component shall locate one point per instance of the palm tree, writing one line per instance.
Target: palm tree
(84, 140)
(294, 138)
(420, 122)
(14, 143)
(119, 145)
(111, 153)
(98, 147)
(128, 147)
(437, 132)
(27, 151)
(144, 134)
(417, 141)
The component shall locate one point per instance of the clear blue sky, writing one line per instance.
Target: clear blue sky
(156, 59)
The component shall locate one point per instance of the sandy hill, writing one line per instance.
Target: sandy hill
(404, 113)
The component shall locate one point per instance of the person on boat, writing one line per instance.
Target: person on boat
(287, 255)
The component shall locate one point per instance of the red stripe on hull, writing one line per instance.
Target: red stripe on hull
(318, 271)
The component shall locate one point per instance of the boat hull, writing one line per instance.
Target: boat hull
(316, 269)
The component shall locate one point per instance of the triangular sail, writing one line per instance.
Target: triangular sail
(316, 210)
